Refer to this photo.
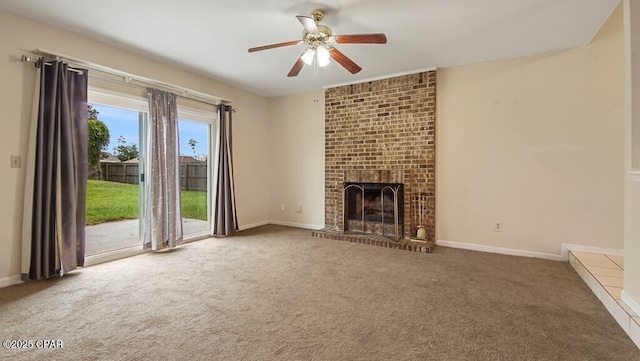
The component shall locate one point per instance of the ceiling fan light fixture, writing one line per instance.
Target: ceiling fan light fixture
(308, 55)
(319, 41)
(323, 55)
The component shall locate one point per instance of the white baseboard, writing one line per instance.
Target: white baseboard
(314, 227)
(10, 281)
(629, 301)
(114, 255)
(281, 223)
(566, 247)
(252, 225)
(499, 250)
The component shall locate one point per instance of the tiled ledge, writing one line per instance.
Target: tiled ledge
(376, 240)
(603, 275)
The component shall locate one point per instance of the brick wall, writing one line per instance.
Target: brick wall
(382, 131)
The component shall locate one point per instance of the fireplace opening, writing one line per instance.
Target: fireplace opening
(374, 208)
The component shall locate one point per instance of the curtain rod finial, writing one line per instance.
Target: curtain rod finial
(26, 59)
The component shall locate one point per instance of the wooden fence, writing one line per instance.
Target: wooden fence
(193, 176)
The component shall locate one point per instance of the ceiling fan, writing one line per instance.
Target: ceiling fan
(320, 40)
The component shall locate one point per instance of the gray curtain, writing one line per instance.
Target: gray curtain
(163, 220)
(54, 230)
(225, 217)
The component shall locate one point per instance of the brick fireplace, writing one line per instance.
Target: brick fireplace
(382, 132)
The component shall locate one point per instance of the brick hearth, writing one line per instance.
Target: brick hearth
(376, 240)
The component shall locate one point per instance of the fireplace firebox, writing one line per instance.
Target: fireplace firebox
(374, 208)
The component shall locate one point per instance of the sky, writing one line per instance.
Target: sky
(123, 122)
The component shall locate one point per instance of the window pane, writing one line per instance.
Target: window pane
(194, 180)
(113, 187)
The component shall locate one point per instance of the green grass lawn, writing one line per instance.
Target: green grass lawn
(111, 201)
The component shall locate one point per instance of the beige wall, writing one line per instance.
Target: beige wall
(297, 159)
(632, 153)
(19, 35)
(536, 143)
(632, 241)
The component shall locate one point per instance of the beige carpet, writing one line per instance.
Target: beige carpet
(275, 293)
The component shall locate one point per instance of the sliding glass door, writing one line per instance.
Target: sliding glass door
(115, 191)
(195, 172)
(115, 198)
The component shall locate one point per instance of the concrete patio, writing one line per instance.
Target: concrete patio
(111, 236)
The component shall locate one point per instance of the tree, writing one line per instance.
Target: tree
(98, 141)
(192, 144)
(125, 151)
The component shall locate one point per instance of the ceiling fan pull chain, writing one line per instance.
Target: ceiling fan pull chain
(315, 67)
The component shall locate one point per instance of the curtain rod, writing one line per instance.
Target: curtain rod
(26, 59)
(127, 78)
(139, 86)
(36, 62)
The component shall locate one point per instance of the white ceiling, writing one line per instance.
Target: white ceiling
(211, 37)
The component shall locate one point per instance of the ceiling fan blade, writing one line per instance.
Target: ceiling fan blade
(272, 46)
(308, 23)
(361, 39)
(344, 61)
(297, 66)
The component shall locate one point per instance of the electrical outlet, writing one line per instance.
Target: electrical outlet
(282, 207)
(497, 226)
(15, 161)
(299, 208)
